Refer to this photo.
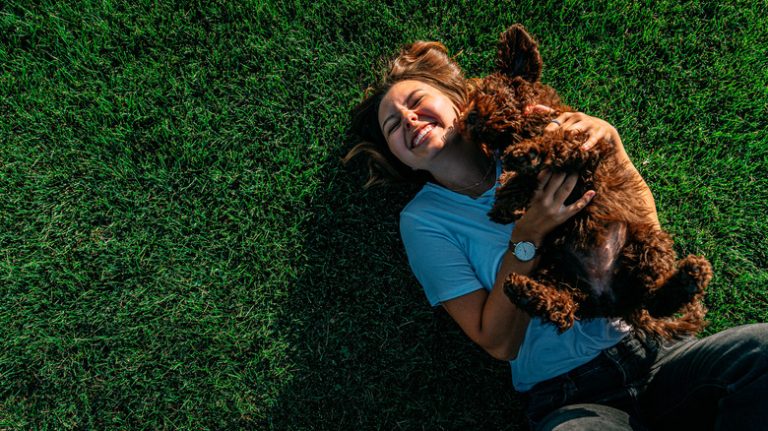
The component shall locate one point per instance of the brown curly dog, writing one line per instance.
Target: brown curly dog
(609, 260)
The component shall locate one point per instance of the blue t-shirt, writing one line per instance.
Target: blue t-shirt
(454, 249)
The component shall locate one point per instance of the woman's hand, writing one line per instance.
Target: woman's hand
(547, 209)
(595, 128)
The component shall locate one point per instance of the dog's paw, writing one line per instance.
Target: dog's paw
(683, 287)
(695, 273)
(562, 317)
(540, 301)
(520, 295)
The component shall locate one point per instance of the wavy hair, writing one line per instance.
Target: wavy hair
(427, 62)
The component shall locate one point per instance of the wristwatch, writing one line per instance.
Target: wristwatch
(524, 251)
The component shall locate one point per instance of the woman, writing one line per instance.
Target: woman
(597, 375)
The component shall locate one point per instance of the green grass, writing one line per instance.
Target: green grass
(181, 248)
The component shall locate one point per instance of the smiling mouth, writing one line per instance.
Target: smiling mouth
(421, 137)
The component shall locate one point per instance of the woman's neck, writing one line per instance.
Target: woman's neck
(465, 169)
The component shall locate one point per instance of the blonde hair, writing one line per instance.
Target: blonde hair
(427, 62)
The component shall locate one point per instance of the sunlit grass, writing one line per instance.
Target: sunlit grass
(181, 247)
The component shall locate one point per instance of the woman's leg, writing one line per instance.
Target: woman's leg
(717, 382)
(589, 417)
(601, 394)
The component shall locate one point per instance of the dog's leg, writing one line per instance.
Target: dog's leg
(668, 285)
(512, 197)
(665, 297)
(649, 256)
(568, 155)
(542, 300)
(686, 283)
(518, 182)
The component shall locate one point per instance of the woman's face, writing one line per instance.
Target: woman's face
(415, 119)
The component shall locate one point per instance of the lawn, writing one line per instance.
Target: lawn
(182, 248)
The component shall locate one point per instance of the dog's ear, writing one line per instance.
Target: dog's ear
(518, 54)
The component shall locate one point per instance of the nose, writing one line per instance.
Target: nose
(409, 118)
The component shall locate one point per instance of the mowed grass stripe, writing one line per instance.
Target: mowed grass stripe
(182, 248)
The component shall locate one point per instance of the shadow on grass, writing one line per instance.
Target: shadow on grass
(367, 351)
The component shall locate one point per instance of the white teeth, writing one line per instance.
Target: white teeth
(421, 135)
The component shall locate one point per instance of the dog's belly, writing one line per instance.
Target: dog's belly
(598, 264)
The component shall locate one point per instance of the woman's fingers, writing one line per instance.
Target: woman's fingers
(593, 138)
(537, 109)
(558, 122)
(562, 193)
(577, 121)
(579, 205)
(552, 199)
(574, 122)
(547, 206)
(542, 109)
(555, 181)
(543, 178)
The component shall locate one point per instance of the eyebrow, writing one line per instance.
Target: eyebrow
(391, 117)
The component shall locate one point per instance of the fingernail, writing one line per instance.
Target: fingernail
(586, 147)
(591, 194)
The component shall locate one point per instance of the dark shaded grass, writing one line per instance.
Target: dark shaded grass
(182, 249)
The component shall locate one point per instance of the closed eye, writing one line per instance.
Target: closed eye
(394, 127)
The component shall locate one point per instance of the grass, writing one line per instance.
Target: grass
(181, 248)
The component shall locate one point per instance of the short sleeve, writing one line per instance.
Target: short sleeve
(437, 261)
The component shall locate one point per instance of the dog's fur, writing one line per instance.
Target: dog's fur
(610, 259)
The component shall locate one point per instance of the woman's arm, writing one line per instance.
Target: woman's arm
(490, 319)
(600, 129)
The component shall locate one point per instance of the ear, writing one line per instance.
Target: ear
(518, 54)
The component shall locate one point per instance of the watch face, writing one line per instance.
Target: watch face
(525, 251)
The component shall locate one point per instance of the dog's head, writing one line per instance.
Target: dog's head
(498, 112)
(494, 114)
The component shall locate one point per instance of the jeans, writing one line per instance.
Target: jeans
(715, 383)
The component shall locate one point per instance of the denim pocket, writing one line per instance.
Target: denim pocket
(634, 357)
(611, 379)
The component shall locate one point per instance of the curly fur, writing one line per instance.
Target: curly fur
(608, 260)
